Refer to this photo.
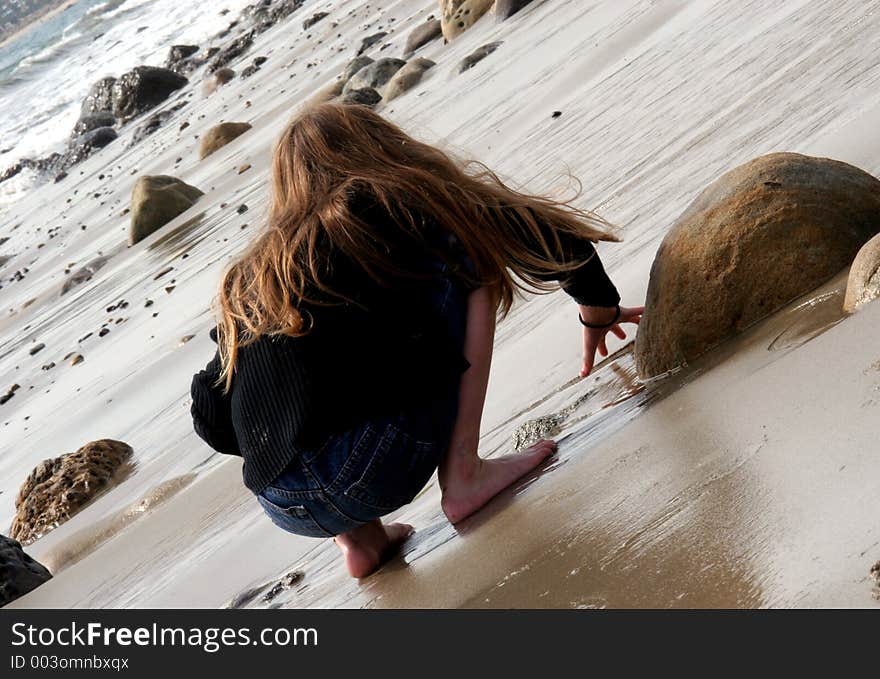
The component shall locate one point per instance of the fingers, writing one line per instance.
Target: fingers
(617, 330)
(603, 350)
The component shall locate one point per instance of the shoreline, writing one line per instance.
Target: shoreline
(35, 19)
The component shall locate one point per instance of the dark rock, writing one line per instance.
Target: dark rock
(232, 51)
(37, 348)
(179, 59)
(153, 123)
(364, 97)
(312, 20)
(100, 97)
(370, 40)
(254, 67)
(58, 488)
(266, 15)
(760, 236)
(477, 56)
(93, 122)
(421, 36)
(19, 573)
(505, 9)
(143, 88)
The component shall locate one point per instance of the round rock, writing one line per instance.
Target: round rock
(863, 285)
(762, 235)
(219, 136)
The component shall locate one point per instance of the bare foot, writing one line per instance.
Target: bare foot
(367, 547)
(467, 490)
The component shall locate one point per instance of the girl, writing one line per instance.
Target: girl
(355, 333)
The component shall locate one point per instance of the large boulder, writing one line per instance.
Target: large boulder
(19, 573)
(758, 237)
(507, 8)
(863, 285)
(375, 75)
(142, 88)
(100, 97)
(58, 488)
(219, 136)
(155, 201)
(421, 35)
(406, 78)
(459, 15)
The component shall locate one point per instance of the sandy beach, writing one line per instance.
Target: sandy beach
(750, 479)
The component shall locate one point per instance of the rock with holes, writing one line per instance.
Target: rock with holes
(219, 136)
(459, 15)
(58, 488)
(507, 8)
(863, 285)
(375, 76)
(477, 56)
(19, 573)
(762, 235)
(406, 78)
(155, 201)
(421, 36)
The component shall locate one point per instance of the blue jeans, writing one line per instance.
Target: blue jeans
(359, 475)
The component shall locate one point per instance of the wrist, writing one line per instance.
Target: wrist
(598, 315)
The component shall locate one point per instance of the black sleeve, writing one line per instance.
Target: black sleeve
(588, 284)
(211, 408)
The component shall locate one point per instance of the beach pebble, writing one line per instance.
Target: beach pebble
(406, 78)
(19, 573)
(369, 41)
(58, 488)
(37, 348)
(422, 35)
(184, 340)
(219, 136)
(459, 15)
(863, 284)
(477, 56)
(155, 201)
(762, 235)
(77, 359)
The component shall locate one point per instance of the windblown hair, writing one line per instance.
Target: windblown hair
(331, 153)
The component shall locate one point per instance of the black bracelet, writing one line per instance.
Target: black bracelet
(601, 327)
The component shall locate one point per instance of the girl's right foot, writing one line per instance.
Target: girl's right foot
(469, 486)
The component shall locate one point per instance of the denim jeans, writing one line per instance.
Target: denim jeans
(361, 474)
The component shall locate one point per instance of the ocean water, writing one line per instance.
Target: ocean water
(46, 72)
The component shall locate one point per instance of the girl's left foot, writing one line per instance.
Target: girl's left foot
(367, 547)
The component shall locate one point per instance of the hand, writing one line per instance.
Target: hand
(594, 338)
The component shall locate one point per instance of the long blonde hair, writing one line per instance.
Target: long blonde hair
(331, 153)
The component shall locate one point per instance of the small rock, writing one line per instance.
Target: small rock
(369, 41)
(363, 97)
(37, 348)
(477, 56)
(244, 168)
(421, 36)
(312, 20)
(155, 201)
(217, 80)
(353, 67)
(219, 136)
(77, 359)
(185, 339)
(406, 78)
(374, 75)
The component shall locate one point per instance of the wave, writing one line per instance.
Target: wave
(49, 53)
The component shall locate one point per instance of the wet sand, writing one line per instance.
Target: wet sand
(750, 479)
